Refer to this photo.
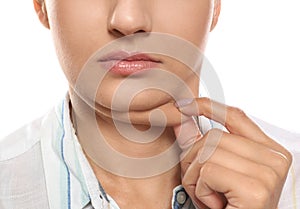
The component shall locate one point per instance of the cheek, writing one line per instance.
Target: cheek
(78, 29)
(189, 20)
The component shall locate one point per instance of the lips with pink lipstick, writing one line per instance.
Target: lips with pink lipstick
(124, 63)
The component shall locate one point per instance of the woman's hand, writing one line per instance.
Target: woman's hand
(241, 168)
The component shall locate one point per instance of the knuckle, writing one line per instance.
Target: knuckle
(260, 194)
(289, 157)
(270, 177)
(205, 100)
(214, 136)
(212, 142)
(206, 169)
(282, 162)
(285, 155)
(235, 112)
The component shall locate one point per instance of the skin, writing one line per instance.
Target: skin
(79, 28)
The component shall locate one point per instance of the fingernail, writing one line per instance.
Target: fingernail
(183, 102)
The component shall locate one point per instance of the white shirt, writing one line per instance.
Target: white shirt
(42, 166)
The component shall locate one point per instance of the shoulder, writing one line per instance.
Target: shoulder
(22, 161)
(24, 139)
(289, 139)
(21, 169)
(20, 141)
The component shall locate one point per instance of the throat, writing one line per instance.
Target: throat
(148, 193)
(136, 141)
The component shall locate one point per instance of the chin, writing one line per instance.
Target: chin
(164, 115)
(149, 100)
(143, 101)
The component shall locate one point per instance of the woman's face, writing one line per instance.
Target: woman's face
(81, 27)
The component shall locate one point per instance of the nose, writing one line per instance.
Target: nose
(129, 17)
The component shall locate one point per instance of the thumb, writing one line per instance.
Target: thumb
(187, 133)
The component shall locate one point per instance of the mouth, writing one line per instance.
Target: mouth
(125, 63)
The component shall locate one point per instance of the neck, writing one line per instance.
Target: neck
(126, 168)
(152, 192)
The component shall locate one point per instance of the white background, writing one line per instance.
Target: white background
(254, 49)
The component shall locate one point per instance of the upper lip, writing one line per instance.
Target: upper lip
(127, 56)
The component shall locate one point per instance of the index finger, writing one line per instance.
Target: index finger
(232, 118)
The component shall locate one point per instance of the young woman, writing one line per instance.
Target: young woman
(127, 135)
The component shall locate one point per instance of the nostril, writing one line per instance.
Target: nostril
(117, 33)
(140, 31)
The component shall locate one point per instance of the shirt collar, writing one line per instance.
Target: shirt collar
(70, 180)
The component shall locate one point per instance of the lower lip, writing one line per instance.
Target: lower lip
(128, 67)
